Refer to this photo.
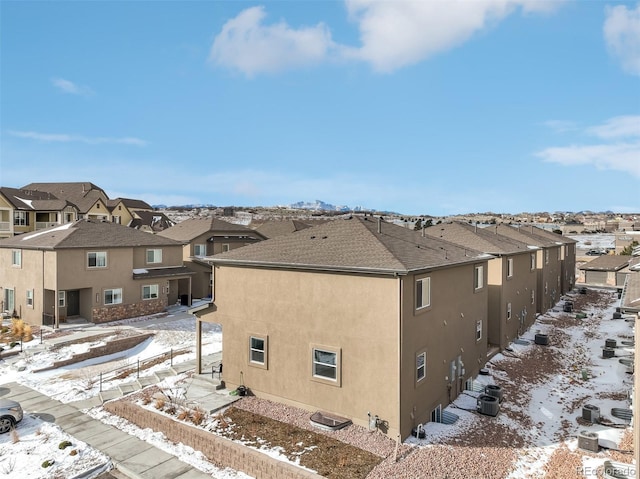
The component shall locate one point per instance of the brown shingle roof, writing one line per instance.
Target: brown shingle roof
(82, 194)
(354, 244)
(86, 234)
(476, 238)
(607, 262)
(523, 234)
(22, 199)
(273, 228)
(131, 204)
(193, 227)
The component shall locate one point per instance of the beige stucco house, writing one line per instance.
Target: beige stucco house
(89, 269)
(548, 262)
(567, 256)
(204, 237)
(511, 279)
(357, 318)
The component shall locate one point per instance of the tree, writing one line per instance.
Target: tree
(629, 248)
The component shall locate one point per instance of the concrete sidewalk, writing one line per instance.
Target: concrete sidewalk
(135, 458)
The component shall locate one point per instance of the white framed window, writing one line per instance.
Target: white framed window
(154, 256)
(533, 261)
(508, 311)
(150, 291)
(478, 330)
(423, 293)
(436, 414)
(509, 267)
(97, 259)
(225, 247)
(116, 219)
(16, 258)
(200, 250)
(30, 298)
(478, 277)
(421, 366)
(325, 364)
(62, 299)
(113, 296)
(20, 218)
(258, 350)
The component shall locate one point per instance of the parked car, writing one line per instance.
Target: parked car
(10, 414)
(595, 252)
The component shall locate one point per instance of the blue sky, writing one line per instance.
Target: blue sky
(430, 107)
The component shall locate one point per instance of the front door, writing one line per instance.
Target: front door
(73, 303)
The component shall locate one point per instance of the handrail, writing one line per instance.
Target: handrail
(131, 368)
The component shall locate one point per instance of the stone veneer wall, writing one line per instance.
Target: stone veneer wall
(219, 450)
(116, 312)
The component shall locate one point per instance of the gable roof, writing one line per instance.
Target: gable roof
(155, 220)
(550, 235)
(476, 238)
(607, 262)
(355, 244)
(191, 228)
(22, 199)
(131, 204)
(82, 194)
(86, 234)
(272, 228)
(523, 234)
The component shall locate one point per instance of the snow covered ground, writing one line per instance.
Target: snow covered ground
(548, 400)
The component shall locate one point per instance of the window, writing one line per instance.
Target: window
(421, 366)
(200, 250)
(150, 291)
(116, 219)
(478, 278)
(478, 330)
(30, 298)
(423, 293)
(97, 259)
(509, 267)
(154, 256)
(20, 218)
(62, 299)
(257, 350)
(508, 311)
(325, 364)
(16, 258)
(113, 296)
(225, 247)
(436, 414)
(533, 261)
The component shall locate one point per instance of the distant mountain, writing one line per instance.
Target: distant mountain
(319, 205)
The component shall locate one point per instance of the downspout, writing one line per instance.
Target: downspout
(400, 329)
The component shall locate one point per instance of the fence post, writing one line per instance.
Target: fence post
(138, 370)
(171, 357)
(100, 382)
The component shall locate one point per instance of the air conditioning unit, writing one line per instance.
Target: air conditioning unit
(590, 413)
(588, 441)
(541, 339)
(610, 343)
(493, 390)
(608, 352)
(488, 405)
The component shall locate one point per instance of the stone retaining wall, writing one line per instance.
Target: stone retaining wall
(112, 347)
(124, 311)
(219, 450)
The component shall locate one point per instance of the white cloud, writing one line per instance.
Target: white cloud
(247, 45)
(561, 126)
(67, 86)
(615, 155)
(622, 34)
(66, 138)
(393, 34)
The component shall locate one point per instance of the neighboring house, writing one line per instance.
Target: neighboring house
(626, 240)
(512, 279)
(205, 237)
(548, 262)
(22, 211)
(122, 209)
(150, 221)
(273, 228)
(91, 200)
(352, 317)
(606, 270)
(567, 256)
(630, 297)
(95, 270)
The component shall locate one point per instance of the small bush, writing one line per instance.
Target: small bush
(17, 327)
(4, 329)
(73, 452)
(146, 398)
(64, 444)
(198, 416)
(48, 463)
(184, 415)
(171, 409)
(13, 344)
(160, 402)
(27, 333)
